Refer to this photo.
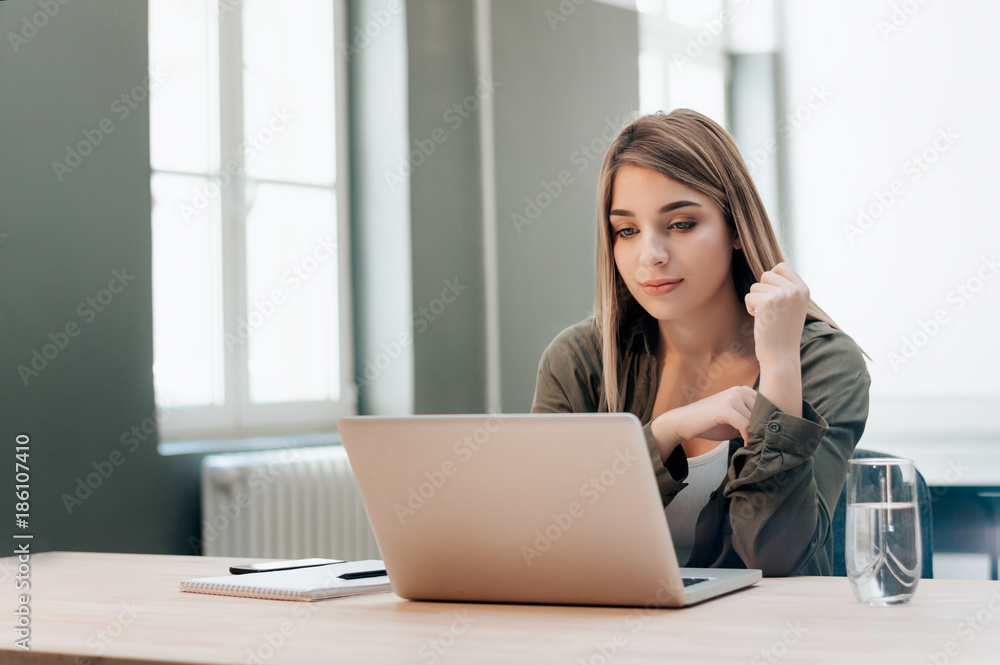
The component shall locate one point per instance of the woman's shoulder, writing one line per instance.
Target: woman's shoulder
(815, 329)
(831, 348)
(575, 344)
(570, 371)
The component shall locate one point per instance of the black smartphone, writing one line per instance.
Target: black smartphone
(287, 564)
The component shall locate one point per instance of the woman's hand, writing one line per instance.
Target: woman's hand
(778, 305)
(724, 415)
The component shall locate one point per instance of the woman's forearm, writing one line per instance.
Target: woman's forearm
(781, 383)
(665, 433)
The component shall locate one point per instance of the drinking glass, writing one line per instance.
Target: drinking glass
(883, 530)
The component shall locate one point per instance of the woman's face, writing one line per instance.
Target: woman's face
(671, 244)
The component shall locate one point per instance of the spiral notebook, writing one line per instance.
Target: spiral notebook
(313, 583)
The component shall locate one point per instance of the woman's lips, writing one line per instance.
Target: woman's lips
(661, 287)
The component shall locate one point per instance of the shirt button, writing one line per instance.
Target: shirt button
(774, 427)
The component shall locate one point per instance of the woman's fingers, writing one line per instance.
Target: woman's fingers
(743, 398)
(783, 270)
(778, 302)
(742, 409)
(717, 417)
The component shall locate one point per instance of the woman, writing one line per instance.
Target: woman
(751, 399)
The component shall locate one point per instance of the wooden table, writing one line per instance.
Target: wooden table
(126, 608)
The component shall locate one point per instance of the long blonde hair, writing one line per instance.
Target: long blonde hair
(692, 149)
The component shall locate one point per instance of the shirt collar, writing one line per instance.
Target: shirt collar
(640, 332)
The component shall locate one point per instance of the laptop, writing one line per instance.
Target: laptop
(522, 508)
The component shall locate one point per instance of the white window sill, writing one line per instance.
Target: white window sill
(213, 446)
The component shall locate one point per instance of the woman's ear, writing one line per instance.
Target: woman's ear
(737, 244)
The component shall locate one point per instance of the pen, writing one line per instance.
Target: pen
(362, 574)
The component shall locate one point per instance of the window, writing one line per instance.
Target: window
(250, 292)
(682, 56)
(718, 57)
(894, 162)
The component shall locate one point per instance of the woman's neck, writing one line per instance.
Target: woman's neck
(720, 328)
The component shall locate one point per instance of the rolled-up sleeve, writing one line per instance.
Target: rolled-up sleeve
(669, 474)
(785, 483)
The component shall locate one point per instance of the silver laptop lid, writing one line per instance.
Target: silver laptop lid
(527, 508)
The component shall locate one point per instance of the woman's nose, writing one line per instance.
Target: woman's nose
(654, 251)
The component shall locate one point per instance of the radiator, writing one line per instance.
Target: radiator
(284, 504)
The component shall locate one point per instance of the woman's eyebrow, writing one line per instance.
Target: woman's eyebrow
(666, 208)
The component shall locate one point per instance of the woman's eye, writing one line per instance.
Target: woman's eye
(624, 233)
(682, 226)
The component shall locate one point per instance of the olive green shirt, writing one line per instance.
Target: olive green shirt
(774, 509)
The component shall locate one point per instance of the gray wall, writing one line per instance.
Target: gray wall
(63, 242)
(416, 232)
(566, 88)
(419, 249)
(559, 91)
(446, 209)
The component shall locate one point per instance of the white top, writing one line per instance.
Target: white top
(705, 474)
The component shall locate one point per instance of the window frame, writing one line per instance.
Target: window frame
(238, 416)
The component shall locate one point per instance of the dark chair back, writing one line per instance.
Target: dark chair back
(840, 524)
